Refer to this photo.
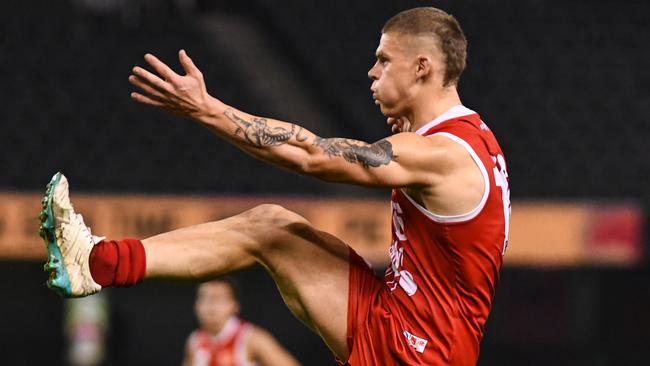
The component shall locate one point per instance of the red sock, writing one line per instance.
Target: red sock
(120, 263)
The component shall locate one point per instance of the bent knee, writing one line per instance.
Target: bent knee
(274, 215)
(273, 227)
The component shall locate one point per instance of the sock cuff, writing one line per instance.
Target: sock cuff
(131, 264)
(118, 263)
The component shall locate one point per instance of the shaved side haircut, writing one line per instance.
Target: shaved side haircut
(440, 25)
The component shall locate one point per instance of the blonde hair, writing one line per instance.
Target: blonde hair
(442, 26)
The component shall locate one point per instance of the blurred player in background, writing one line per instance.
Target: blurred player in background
(450, 210)
(223, 339)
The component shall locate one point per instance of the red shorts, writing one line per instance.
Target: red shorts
(366, 337)
(381, 332)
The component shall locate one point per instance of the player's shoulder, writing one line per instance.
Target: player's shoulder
(256, 332)
(196, 333)
(432, 158)
(193, 339)
(258, 340)
(419, 143)
(258, 335)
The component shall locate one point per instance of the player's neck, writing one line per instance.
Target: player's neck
(216, 329)
(213, 330)
(431, 105)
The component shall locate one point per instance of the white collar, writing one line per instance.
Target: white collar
(453, 112)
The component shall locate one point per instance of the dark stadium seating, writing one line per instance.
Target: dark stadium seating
(564, 86)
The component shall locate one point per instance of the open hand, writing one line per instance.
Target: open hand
(400, 124)
(181, 95)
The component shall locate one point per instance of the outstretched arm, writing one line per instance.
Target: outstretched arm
(399, 160)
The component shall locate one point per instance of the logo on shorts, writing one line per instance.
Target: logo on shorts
(416, 342)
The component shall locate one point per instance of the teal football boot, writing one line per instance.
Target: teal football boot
(68, 241)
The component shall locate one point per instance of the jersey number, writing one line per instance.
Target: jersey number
(501, 180)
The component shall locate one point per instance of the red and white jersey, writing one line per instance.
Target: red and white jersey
(444, 269)
(228, 348)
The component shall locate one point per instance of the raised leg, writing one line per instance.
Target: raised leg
(310, 267)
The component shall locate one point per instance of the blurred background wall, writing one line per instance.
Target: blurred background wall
(565, 86)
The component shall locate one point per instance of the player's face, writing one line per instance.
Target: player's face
(393, 75)
(215, 304)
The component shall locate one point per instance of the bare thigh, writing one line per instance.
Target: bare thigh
(310, 267)
(311, 270)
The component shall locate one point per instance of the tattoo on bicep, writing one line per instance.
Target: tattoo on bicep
(299, 137)
(353, 151)
(258, 133)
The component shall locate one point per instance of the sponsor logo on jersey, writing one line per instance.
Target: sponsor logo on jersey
(396, 274)
(416, 342)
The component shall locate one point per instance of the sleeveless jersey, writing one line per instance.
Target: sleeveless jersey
(444, 269)
(228, 348)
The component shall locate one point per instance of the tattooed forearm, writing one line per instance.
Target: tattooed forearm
(258, 133)
(368, 155)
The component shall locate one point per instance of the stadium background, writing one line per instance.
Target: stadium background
(564, 85)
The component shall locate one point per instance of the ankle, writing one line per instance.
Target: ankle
(118, 263)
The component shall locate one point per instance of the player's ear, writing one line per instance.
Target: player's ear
(423, 67)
